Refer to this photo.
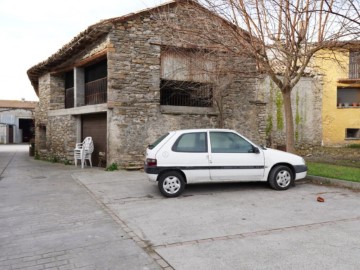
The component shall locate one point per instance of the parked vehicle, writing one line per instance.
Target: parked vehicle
(217, 155)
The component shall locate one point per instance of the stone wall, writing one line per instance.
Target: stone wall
(62, 131)
(41, 118)
(306, 99)
(52, 134)
(134, 87)
(135, 116)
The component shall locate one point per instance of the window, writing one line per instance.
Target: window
(96, 83)
(185, 78)
(182, 93)
(353, 133)
(354, 64)
(348, 97)
(69, 89)
(159, 140)
(227, 142)
(191, 142)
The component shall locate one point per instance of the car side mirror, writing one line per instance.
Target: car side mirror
(255, 150)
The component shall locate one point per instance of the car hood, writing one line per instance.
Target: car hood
(277, 156)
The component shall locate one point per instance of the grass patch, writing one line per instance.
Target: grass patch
(355, 145)
(334, 171)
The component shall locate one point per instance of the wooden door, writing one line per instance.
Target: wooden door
(94, 125)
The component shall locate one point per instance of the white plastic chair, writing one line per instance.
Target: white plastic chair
(83, 151)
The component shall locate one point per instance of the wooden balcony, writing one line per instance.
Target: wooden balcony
(96, 91)
(354, 71)
(69, 98)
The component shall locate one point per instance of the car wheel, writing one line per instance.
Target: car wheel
(281, 177)
(171, 184)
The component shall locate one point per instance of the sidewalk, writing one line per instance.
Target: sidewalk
(48, 221)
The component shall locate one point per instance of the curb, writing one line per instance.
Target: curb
(332, 182)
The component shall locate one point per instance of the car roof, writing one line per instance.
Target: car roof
(201, 130)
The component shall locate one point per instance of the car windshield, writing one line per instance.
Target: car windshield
(154, 144)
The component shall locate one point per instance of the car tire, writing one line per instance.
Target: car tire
(281, 177)
(171, 184)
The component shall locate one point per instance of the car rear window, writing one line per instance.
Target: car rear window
(191, 142)
(154, 144)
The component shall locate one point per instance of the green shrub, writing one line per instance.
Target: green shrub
(113, 167)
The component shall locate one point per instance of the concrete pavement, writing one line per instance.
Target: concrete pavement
(48, 221)
(236, 226)
(92, 219)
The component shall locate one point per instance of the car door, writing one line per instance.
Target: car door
(233, 158)
(190, 154)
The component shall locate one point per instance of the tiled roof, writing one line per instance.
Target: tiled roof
(79, 43)
(18, 104)
(97, 31)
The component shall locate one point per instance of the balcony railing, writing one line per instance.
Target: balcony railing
(96, 91)
(354, 71)
(183, 93)
(69, 98)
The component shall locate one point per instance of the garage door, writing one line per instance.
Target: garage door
(94, 125)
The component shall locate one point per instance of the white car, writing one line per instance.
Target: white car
(217, 155)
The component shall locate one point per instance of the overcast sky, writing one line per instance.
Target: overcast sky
(32, 30)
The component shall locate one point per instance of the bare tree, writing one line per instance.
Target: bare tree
(282, 35)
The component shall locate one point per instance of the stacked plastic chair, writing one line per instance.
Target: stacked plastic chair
(83, 151)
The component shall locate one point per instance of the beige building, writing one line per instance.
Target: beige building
(341, 95)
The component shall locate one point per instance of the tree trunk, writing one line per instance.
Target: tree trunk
(289, 121)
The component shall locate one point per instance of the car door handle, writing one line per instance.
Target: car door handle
(209, 158)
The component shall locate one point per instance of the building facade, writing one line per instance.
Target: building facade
(16, 121)
(128, 80)
(341, 95)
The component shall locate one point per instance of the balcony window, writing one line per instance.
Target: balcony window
(69, 89)
(348, 97)
(183, 93)
(96, 83)
(354, 65)
(185, 78)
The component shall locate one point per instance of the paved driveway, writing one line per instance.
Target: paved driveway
(236, 226)
(48, 221)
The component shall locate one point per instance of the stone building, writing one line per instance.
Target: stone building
(16, 121)
(127, 80)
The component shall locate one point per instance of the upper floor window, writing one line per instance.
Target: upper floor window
(69, 89)
(185, 78)
(354, 64)
(96, 83)
(348, 97)
(90, 86)
(184, 93)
